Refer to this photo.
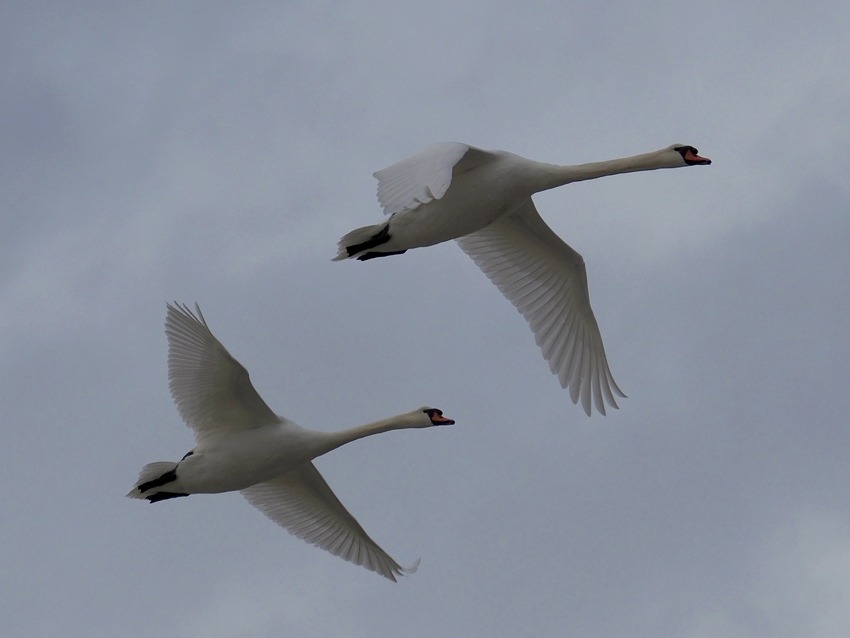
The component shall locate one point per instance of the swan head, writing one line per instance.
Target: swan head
(433, 416)
(687, 155)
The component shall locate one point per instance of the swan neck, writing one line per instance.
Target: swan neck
(333, 440)
(594, 170)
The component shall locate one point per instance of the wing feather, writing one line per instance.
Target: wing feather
(546, 281)
(426, 176)
(211, 389)
(304, 505)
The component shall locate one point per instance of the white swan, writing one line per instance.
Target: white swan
(243, 445)
(483, 199)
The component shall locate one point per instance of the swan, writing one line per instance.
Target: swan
(482, 199)
(242, 445)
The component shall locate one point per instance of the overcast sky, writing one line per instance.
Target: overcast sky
(216, 152)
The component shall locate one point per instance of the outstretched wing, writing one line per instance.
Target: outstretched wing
(212, 390)
(425, 176)
(303, 504)
(546, 280)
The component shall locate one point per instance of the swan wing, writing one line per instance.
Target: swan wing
(546, 280)
(425, 176)
(212, 390)
(303, 504)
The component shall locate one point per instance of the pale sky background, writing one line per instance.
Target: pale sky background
(216, 152)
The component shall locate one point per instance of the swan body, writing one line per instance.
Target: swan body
(241, 445)
(483, 200)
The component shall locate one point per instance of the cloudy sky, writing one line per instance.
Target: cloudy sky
(216, 152)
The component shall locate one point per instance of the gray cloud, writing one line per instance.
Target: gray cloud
(216, 154)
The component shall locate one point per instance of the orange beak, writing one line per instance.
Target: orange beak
(693, 158)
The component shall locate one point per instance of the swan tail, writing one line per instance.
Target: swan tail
(357, 243)
(157, 482)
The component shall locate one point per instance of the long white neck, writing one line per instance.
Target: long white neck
(553, 175)
(328, 441)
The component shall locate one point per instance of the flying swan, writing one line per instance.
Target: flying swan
(242, 445)
(483, 200)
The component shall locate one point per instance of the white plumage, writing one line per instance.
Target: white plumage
(243, 445)
(483, 200)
